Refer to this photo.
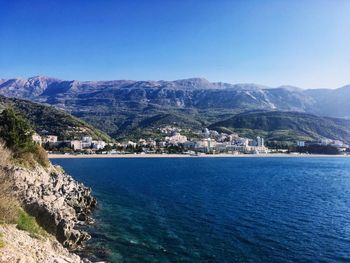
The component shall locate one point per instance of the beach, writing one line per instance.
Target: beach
(59, 156)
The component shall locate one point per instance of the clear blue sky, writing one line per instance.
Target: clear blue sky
(301, 43)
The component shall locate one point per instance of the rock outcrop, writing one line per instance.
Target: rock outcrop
(56, 200)
(20, 247)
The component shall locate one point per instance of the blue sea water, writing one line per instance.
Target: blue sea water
(218, 209)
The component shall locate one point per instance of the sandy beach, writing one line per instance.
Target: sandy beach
(56, 156)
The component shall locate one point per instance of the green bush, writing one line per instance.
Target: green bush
(28, 223)
(16, 132)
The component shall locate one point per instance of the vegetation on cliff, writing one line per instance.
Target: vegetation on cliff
(28, 223)
(10, 211)
(8, 205)
(37, 198)
(16, 146)
(17, 133)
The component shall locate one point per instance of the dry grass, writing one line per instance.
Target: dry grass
(28, 158)
(2, 242)
(8, 205)
(10, 210)
(4, 155)
(41, 156)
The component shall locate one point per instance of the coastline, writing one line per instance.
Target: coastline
(94, 156)
(60, 205)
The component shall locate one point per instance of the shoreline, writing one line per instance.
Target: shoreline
(102, 156)
(60, 205)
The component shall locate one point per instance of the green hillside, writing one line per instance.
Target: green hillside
(47, 119)
(285, 126)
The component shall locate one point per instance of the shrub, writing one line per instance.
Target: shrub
(40, 155)
(28, 223)
(8, 205)
(16, 133)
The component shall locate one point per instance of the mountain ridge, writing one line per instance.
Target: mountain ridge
(119, 107)
(192, 79)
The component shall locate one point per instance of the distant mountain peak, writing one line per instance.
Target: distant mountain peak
(290, 88)
(194, 82)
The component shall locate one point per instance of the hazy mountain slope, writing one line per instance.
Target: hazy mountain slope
(331, 102)
(195, 92)
(279, 125)
(46, 119)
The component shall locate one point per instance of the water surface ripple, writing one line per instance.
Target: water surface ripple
(219, 209)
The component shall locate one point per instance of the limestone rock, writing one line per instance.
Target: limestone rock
(21, 247)
(56, 200)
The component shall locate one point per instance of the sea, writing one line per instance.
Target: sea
(217, 209)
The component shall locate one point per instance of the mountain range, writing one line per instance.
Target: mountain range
(124, 107)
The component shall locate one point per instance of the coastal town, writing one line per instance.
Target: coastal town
(173, 141)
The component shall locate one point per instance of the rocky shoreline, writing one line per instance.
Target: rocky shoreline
(58, 202)
(22, 248)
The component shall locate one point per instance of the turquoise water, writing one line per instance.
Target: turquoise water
(218, 209)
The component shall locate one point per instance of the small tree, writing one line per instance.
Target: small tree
(16, 132)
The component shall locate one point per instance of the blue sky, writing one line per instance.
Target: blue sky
(276, 42)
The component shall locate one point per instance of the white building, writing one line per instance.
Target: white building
(337, 143)
(162, 144)
(301, 143)
(37, 138)
(152, 143)
(205, 144)
(76, 145)
(189, 145)
(87, 139)
(241, 141)
(50, 139)
(132, 144)
(233, 137)
(260, 141)
(325, 141)
(206, 133)
(86, 142)
(169, 130)
(98, 145)
(176, 139)
(142, 142)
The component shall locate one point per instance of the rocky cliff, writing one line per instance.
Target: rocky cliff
(56, 200)
(60, 205)
(22, 248)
